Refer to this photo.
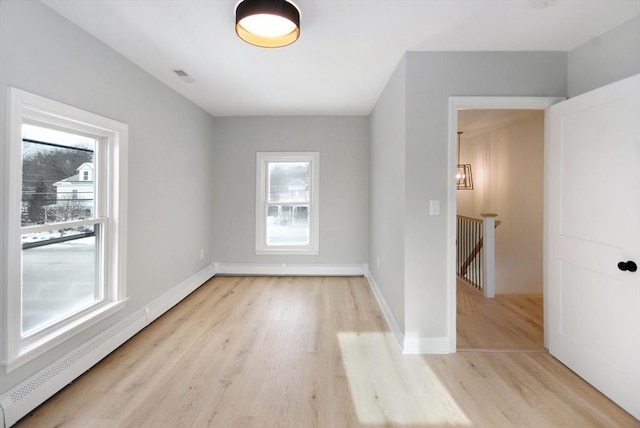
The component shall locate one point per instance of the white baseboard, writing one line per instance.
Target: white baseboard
(386, 311)
(426, 345)
(169, 299)
(409, 345)
(35, 390)
(290, 269)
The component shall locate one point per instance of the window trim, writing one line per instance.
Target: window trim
(112, 136)
(262, 160)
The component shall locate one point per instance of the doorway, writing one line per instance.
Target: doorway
(504, 149)
(513, 320)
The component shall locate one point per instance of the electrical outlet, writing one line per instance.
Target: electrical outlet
(202, 254)
(378, 261)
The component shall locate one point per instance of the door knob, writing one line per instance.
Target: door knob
(628, 266)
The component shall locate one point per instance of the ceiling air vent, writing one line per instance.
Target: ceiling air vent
(184, 76)
(539, 4)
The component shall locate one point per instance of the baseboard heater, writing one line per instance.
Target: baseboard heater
(26, 396)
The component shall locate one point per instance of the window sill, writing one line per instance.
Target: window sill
(287, 252)
(31, 348)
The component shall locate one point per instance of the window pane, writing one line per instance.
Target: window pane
(288, 225)
(59, 275)
(57, 176)
(289, 181)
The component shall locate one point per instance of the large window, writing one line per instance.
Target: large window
(65, 223)
(287, 203)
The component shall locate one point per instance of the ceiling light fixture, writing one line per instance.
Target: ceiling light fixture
(464, 178)
(268, 23)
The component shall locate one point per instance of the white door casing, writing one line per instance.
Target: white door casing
(592, 222)
(475, 103)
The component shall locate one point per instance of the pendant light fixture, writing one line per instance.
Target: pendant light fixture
(464, 178)
(268, 23)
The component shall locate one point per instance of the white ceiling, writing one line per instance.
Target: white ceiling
(477, 121)
(347, 49)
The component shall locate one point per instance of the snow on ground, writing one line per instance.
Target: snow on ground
(57, 279)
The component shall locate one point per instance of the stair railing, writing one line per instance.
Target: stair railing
(475, 254)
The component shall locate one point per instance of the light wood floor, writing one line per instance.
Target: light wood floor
(506, 322)
(311, 352)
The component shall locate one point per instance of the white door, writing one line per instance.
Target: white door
(593, 224)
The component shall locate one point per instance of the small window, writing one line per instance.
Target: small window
(287, 203)
(66, 266)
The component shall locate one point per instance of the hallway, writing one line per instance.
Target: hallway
(508, 322)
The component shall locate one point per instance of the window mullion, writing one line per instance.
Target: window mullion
(61, 225)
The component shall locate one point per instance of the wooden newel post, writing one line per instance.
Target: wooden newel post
(489, 253)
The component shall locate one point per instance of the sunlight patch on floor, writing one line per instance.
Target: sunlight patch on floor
(388, 387)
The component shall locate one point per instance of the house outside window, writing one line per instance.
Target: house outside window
(67, 236)
(78, 187)
(287, 202)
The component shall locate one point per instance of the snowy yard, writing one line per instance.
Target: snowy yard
(49, 234)
(58, 279)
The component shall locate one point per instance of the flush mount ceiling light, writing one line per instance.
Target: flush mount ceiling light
(268, 23)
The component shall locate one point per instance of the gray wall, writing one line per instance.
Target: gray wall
(418, 94)
(387, 203)
(605, 59)
(433, 77)
(170, 145)
(343, 143)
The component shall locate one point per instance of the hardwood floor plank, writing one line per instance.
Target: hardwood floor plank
(508, 321)
(313, 352)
